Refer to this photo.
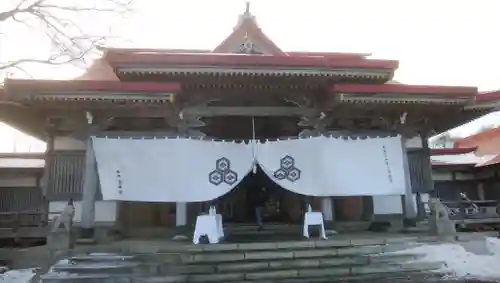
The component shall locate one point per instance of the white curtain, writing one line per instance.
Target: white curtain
(169, 170)
(325, 166)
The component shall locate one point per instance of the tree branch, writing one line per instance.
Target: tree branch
(58, 22)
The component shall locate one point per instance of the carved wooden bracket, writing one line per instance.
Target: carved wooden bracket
(89, 124)
(184, 122)
(316, 122)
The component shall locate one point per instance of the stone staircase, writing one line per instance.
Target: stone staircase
(292, 261)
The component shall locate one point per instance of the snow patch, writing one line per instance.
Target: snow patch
(17, 276)
(459, 262)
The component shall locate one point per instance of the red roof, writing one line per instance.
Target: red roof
(487, 143)
(337, 55)
(100, 70)
(102, 77)
(243, 60)
(488, 96)
(407, 89)
(75, 85)
(223, 55)
(452, 151)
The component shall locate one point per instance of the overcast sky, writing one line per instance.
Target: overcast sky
(441, 42)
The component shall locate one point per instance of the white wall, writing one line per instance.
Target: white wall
(105, 211)
(68, 143)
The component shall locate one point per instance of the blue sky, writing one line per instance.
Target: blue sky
(437, 42)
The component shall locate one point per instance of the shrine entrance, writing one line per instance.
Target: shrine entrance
(281, 206)
(238, 206)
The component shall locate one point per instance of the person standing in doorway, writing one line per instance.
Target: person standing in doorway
(260, 204)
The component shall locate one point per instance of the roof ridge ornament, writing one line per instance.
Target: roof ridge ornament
(247, 46)
(247, 10)
(245, 15)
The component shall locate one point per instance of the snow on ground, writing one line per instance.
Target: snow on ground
(461, 263)
(17, 276)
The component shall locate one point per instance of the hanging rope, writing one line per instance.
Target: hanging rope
(254, 169)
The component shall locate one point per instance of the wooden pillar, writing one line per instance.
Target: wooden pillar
(327, 208)
(90, 184)
(427, 173)
(408, 203)
(480, 191)
(45, 181)
(180, 214)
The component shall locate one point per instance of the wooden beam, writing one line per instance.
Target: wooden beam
(249, 111)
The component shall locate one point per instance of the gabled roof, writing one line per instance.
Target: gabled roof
(478, 138)
(247, 29)
(100, 70)
(487, 146)
(249, 49)
(243, 60)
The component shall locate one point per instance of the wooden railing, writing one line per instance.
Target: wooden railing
(478, 211)
(23, 224)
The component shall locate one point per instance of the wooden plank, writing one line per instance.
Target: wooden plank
(256, 111)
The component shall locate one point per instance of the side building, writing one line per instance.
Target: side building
(23, 208)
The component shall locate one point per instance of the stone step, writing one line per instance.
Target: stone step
(276, 226)
(324, 262)
(249, 255)
(393, 277)
(340, 240)
(303, 244)
(57, 277)
(300, 273)
(254, 265)
(156, 268)
(107, 267)
(101, 258)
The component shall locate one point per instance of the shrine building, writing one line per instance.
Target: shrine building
(244, 115)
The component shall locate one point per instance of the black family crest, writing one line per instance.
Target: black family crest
(287, 170)
(222, 173)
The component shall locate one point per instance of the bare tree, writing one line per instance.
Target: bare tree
(71, 27)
